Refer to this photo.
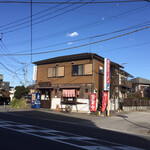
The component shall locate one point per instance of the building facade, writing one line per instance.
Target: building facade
(69, 80)
(141, 86)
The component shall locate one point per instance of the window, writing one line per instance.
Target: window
(85, 69)
(77, 70)
(56, 72)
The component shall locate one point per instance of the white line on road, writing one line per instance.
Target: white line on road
(64, 137)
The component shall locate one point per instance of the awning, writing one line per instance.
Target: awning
(70, 87)
(69, 93)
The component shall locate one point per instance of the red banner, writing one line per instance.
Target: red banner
(69, 93)
(92, 102)
(105, 98)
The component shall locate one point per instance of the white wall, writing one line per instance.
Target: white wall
(77, 108)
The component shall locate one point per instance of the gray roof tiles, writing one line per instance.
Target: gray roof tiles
(140, 80)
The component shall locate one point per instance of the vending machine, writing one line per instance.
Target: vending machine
(35, 102)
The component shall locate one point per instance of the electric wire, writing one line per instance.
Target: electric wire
(83, 45)
(94, 23)
(87, 2)
(92, 37)
(23, 23)
(28, 17)
(47, 19)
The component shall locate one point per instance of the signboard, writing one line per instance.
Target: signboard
(106, 74)
(69, 93)
(93, 102)
(34, 73)
(105, 99)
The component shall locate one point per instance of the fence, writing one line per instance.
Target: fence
(133, 102)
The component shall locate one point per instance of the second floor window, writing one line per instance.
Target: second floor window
(77, 70)
(85, 69)
(56, 72)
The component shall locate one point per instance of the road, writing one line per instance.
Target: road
(41, 130)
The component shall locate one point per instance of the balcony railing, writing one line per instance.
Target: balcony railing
(126, 83)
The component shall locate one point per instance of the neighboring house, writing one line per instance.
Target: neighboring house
(141, 85)
(5, 86)
(70, 80)
(32, 88)
(119, 87)
(11, 92)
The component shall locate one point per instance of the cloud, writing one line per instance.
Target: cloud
(103, 18)
(73, 34)
(69, 43)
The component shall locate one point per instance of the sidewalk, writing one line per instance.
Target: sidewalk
(137, 122)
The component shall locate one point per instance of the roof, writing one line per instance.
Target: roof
(125, 73)
(140, 80)
(74, 57)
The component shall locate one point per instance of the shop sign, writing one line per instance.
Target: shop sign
(69, 93)
(44, 84)
(106, 74)
(105, 98)
(93, 102)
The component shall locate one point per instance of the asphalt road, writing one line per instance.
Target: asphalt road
(28, 130)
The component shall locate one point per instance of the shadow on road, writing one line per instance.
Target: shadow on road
(70, 124)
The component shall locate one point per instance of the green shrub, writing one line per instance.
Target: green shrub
(18, 103)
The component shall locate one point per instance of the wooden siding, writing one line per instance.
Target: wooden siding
(42, 73)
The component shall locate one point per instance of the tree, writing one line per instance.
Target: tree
(21, 91)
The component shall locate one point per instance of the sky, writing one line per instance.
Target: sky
(63, 26)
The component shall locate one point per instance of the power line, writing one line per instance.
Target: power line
(92, 37)
(84, 44)
(97, 22)
(29, 16)
(36, 18)
(3, 46)
(87, 2)
(119, 48)
(47, 19)
(31, 33)
(9, 69)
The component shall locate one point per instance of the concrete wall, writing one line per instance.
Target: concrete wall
(114, 104)
(136, 108)
(75, 108)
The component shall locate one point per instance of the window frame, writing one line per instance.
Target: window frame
(82, 70)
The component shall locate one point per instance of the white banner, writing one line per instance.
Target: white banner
(106, 74)
(34, 73)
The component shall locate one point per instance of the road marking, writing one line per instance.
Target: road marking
(79, 141)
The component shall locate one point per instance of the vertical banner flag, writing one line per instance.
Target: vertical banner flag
(34, 73)
(105, 98)
(106, 74)
(93, 102)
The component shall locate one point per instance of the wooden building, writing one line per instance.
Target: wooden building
(70, 80)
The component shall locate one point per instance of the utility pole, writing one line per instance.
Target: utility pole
(26, 72)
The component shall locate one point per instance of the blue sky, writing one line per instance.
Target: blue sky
(58, 26)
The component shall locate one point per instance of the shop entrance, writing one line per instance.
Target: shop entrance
(45, 98)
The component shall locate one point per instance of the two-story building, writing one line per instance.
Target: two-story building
(142, 86)
(70, 80)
